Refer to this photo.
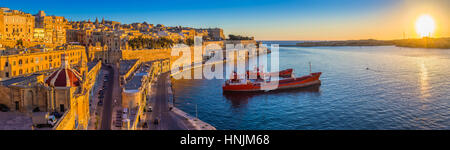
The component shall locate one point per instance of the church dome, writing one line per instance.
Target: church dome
(64, 76)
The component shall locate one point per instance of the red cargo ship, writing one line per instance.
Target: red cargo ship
(248, 85)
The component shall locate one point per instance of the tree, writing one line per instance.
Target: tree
(19, 43)
(140, 42)
(190, 41)
(239, 37)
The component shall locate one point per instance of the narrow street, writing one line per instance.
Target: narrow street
(95, 109)
(108, 100)
(168, 120)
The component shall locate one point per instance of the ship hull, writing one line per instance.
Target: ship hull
(289, 83)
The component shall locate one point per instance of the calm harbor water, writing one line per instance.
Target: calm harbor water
(404, 88)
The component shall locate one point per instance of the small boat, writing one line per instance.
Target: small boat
(250, 85)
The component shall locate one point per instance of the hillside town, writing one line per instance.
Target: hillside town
(58, 74)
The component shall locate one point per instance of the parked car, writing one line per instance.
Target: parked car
(43, 119)
(56, 114)
(156, 121)
(149, 108)
(118, 124)
(4, 108)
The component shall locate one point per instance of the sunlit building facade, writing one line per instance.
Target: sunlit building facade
(15, 25)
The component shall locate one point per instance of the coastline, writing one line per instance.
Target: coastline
(431, 43)
(195, 122)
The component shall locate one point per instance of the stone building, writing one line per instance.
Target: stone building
(63, 83)
(64, 91)
(214, 34)
(54, 27)
(16, 63)
(137, 86)
(39, 35)
(15, 25)
(25, 94)
(97, 52)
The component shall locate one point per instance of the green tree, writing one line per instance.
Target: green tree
(190, 41)
(19, 43)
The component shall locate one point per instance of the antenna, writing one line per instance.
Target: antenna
(310, 67)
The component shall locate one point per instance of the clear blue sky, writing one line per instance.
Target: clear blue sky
(264, 19)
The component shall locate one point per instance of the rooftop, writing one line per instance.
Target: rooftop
(136, 81)
(126, 65)
(91, 65)
(37, 50)
(24, 80)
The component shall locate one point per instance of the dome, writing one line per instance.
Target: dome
(64, 76)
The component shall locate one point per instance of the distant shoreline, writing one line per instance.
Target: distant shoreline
(439, 43)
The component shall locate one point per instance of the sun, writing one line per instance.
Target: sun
(425, 26)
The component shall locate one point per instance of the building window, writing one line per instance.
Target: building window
(17, 105)
(6, 64)
(7, 74)
(61, 107)
(20, 61)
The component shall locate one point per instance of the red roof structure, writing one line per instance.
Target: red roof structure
(64, 76)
